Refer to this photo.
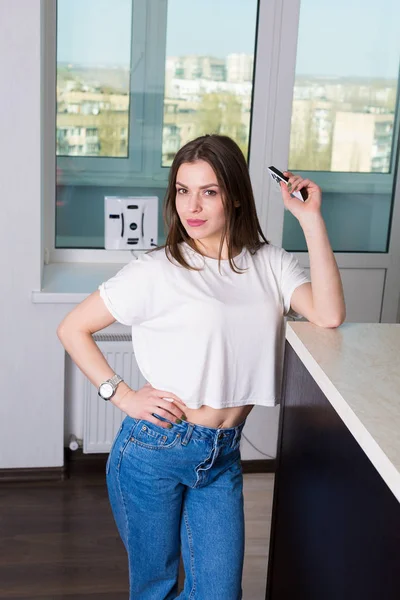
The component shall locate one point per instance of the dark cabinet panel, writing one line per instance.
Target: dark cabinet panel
(335, 523)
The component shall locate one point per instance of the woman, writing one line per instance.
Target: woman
(206, 312)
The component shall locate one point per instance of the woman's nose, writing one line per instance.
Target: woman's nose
(193, 200)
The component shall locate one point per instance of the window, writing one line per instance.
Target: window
(93, 66)
(209, 92)
(92, 132)
(92, 148)
(344, 128)
(135, 81)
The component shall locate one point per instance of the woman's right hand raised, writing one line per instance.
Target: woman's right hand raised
(142, 403)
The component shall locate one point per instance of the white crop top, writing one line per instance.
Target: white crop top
(210, 338)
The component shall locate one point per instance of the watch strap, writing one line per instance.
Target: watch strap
(115, 380)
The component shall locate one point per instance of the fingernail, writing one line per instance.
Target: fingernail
(169, 426)
(178, 421)
(184, 417)
(289, 186)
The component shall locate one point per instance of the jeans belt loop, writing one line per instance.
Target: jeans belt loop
(188, 434)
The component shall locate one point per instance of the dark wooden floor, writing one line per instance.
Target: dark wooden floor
(58, 540)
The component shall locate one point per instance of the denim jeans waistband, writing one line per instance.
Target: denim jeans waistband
(226, 435)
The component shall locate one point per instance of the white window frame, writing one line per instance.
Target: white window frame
(275, 61)
(149, 22)
(142, 167)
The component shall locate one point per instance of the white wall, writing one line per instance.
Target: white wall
(31, 359)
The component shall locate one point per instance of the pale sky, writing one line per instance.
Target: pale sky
(340, 38)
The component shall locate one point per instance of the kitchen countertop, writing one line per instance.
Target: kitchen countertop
(357, 367)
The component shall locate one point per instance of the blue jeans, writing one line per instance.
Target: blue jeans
(176, 491)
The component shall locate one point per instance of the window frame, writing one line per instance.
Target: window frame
(273, 84)
(95, 170)
(149, 21)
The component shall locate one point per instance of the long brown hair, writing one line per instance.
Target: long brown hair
(242, 227)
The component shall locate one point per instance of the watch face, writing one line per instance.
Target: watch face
(106, 390)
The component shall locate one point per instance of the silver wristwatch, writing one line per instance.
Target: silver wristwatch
(108, 388)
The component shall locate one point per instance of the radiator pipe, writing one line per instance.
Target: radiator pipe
(73, 442)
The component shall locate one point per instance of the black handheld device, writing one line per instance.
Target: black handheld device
(278, 177)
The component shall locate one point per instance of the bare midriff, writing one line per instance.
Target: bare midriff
(218, 417)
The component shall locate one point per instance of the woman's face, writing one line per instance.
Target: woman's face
(198, 197)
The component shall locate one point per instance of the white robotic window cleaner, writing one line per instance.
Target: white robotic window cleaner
(130, 222)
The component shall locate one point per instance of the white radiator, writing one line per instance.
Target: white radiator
(101, 419)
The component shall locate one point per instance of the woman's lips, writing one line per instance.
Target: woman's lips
(195, 222)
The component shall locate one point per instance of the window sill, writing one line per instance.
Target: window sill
(70, 283)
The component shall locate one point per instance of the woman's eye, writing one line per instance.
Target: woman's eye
(183, 191)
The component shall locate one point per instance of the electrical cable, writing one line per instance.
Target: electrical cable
(258, 450)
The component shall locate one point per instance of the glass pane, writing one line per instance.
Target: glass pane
(93, 77)
(208, 72)
(344, 127)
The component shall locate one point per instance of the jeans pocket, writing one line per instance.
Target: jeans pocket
(154, 437)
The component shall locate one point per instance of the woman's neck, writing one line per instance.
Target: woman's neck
(212, 252)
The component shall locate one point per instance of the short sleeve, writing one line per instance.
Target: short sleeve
(126, 292)
(292, 276)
